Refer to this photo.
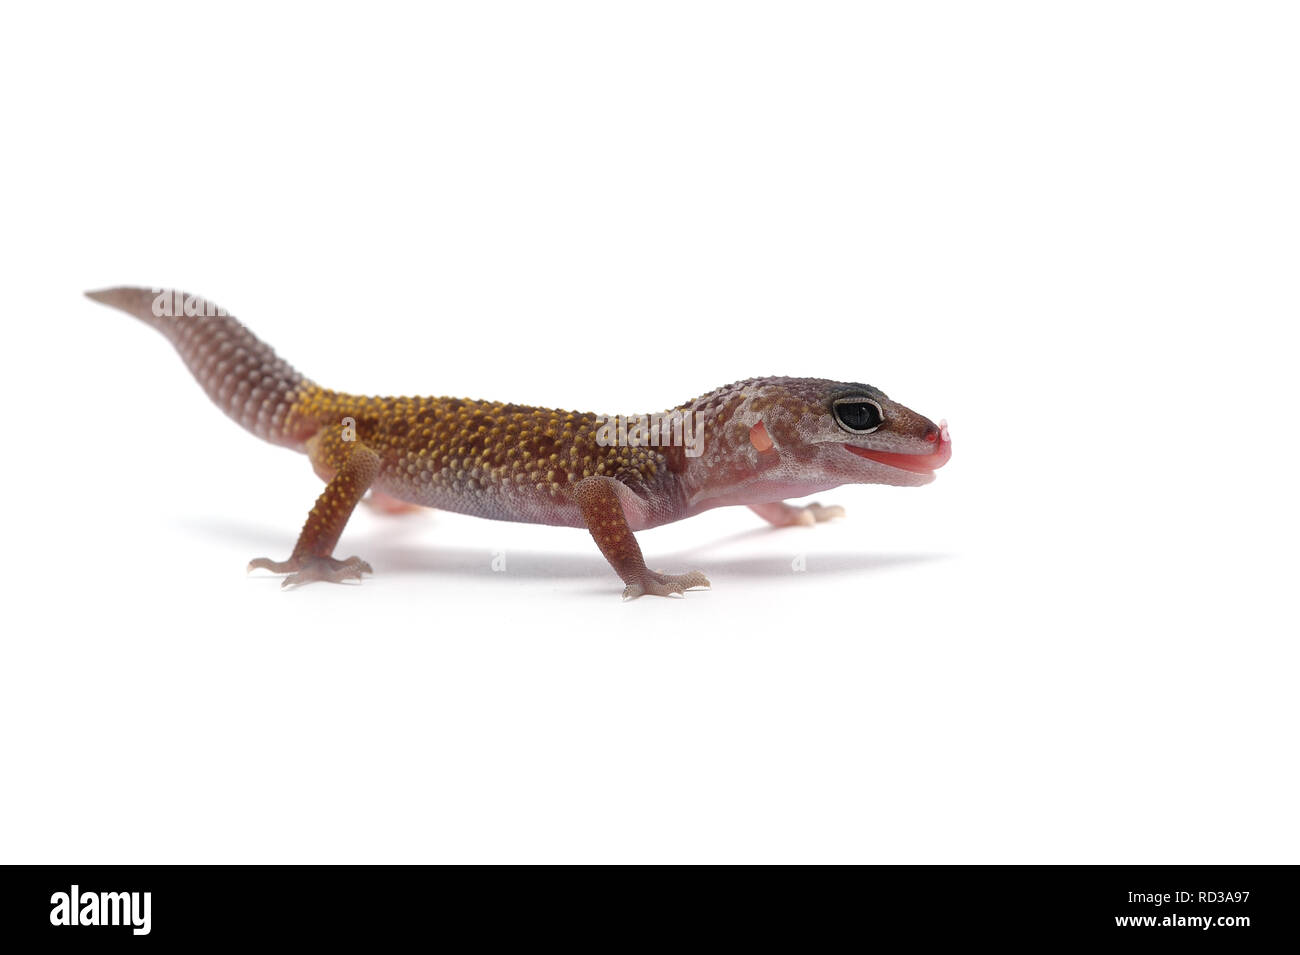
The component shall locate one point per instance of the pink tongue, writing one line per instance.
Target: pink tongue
(919, 463)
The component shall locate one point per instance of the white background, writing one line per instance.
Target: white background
(1071, 229)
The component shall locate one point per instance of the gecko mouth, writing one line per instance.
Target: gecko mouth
(916, 463)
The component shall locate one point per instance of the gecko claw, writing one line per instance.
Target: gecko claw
(659, 584)
(306, 570)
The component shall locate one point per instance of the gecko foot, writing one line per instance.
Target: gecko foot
(818, 513)
(304, 570)
(665, 585)
(780, 514)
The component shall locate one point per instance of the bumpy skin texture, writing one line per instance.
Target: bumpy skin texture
(763, 440)
(241, 374)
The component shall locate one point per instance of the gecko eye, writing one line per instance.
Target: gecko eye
(859, 415)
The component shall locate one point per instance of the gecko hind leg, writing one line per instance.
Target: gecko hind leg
(311, 560)
(781, 514)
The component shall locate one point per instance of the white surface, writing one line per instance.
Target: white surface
(1069, 230)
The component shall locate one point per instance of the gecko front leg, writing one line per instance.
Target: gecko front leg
(311, 558)
(781, 514)
(603, 514)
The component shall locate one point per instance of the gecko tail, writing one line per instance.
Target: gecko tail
(240, 373)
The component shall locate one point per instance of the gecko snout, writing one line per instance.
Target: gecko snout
(925, 463)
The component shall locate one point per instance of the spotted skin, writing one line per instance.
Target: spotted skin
(761, 440)
(483, 458)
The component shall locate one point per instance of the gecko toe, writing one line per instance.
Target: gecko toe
(274, 566)
(820, 514)
(781, 514)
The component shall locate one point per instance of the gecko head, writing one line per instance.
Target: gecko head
(850, 433)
